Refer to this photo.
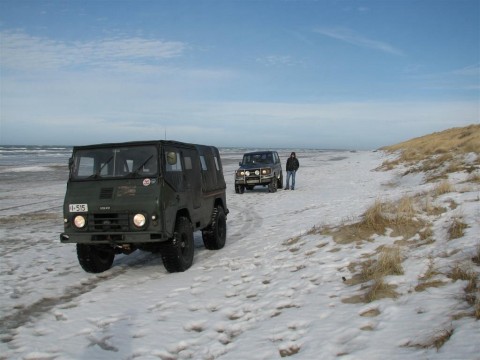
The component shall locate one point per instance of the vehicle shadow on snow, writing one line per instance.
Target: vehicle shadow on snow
(140, 259)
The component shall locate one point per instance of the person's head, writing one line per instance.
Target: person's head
(292, 154)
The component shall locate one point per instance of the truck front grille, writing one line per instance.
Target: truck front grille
(106, 193)
(108, 222)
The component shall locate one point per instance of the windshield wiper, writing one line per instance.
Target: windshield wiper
(97, 174)
(136, 171)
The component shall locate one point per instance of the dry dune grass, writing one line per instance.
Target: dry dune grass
(437, 154)
(373, 273)
(436, 340)
(452, 141)
(472, 289)
(443, 187)
(410, 218)
(399, 216)
(456, 228)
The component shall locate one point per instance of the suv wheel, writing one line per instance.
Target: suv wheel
(177, 254)
(95, 258)
(280, 182)
(272, 187)
(215, 234)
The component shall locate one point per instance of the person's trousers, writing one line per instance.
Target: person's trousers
(290, 174)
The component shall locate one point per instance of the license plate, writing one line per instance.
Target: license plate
(78, 208)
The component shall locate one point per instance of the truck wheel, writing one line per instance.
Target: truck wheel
(177, 254)
(272, 186)
(215, 234)
(95, 258)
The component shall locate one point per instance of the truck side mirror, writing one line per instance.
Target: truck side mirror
(171, 158)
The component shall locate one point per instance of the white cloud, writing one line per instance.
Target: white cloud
(472, 70)
(24, 52)
(277, 60)
(347, 35)
(463, 79)
(266, 124)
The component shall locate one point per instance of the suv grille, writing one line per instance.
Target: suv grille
(108, 222)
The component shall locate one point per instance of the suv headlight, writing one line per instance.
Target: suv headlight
(266, 171)
(240, 173)
(79, 221)
(139, 220)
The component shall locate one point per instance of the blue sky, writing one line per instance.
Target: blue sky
(317, 74)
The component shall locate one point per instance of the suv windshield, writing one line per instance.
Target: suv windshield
(114, 162)
(258, 158)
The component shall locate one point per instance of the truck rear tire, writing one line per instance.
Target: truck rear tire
(177, 254)
(95, 258)
(215, 234)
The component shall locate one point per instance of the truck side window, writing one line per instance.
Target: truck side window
(85, 166)
(216, 163)
(188, 162)
(203, 162)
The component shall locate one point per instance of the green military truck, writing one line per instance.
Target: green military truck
(148, 195)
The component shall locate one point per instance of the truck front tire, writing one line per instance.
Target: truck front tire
(177, 254)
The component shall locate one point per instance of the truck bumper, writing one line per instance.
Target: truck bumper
(111, 238)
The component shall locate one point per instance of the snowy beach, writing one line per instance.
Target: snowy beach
(279, 289)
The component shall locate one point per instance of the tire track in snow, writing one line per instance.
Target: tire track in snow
(247, 221)
(28, 313)
(9, 323)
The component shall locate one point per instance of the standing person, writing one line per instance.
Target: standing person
(292, 167)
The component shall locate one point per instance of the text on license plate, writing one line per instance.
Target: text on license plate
(78, 208)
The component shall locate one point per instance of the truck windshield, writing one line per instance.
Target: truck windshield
(118, 162)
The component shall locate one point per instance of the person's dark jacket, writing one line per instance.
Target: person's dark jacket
(292, 164)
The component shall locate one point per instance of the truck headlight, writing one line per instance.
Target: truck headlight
(257, 172)
(139, 220)
(266, 171)
(79, 221)
(247, 173)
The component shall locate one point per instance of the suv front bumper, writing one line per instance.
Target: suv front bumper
(253, 180)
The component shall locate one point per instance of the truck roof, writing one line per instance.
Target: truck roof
(140, 143)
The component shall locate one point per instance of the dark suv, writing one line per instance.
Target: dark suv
(259, 168)
(149, 195)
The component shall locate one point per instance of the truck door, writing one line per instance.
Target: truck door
(173, 169)
(193, 178)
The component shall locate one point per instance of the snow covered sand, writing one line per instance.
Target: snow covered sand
(276, 290)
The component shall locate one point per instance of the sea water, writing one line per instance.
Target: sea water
(20, 164)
